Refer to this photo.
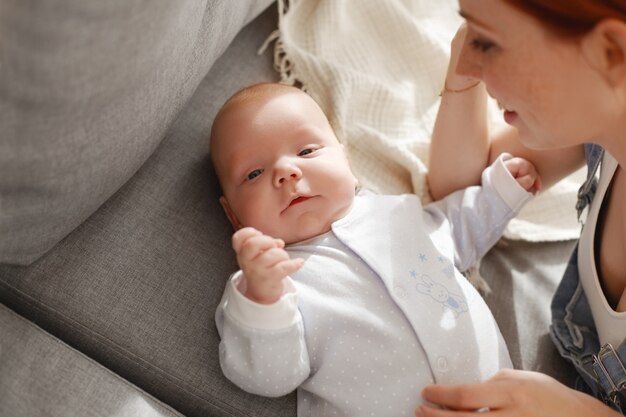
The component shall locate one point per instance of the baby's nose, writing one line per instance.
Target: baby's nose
(285, 173)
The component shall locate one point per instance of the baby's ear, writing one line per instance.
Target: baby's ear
(230, 214)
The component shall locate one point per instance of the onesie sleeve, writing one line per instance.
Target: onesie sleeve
(262, 348)
(472, 220)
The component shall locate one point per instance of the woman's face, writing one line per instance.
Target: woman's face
(544, 82)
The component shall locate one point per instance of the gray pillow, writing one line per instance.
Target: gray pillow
(88, 89)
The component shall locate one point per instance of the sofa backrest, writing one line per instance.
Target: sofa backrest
(88, 89)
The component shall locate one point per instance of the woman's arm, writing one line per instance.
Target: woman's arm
(552, 164)
(460, 147)
(463, 145)
(459, 151)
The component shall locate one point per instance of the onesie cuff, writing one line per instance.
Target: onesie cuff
(499, 177)
(279, 315)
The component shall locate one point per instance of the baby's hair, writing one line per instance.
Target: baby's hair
(255, 92)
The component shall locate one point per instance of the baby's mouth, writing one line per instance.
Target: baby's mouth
(298, 200)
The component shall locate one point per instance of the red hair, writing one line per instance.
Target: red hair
(572, 16)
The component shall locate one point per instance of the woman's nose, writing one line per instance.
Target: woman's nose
(286, 172)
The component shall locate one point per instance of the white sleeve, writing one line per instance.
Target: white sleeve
(262, 348)
(473, 219)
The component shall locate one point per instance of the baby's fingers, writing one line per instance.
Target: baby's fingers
(278, 263)
(242, 235)
(526, 181)
(271, 257)
(529, 182)
(256, 246)
(289, 266)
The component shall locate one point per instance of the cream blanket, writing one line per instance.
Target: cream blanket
(376, 68)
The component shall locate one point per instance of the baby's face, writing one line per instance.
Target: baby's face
(281, 168)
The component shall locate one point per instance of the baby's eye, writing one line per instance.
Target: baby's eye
(252, 175)
(306, 151)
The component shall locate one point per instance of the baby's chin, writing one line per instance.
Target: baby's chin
(309, 224)
(310, 227)
(305, 233)
(303, 237)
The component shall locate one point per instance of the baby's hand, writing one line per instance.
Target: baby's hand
(524, 173)
(265, 264)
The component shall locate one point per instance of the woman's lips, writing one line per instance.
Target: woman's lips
(510, 116)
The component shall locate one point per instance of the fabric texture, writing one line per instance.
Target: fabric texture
(376, 68)
(523, 277)
(42, 376)
(88, 89)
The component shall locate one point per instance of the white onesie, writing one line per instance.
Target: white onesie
(379, 310)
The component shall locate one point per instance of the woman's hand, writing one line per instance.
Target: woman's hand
(511, 393)
(455, 81)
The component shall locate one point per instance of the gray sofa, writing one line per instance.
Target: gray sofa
(113, 248)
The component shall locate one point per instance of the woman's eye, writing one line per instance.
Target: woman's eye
(482, 45)
(252, 175)
(306, 152)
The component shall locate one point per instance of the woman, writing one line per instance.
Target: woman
(558, 70)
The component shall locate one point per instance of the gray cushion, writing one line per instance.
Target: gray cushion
(88, 89)
(42, 376)
(136, 285)
(523, 277)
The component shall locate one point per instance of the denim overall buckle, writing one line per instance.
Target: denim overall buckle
(611, 373)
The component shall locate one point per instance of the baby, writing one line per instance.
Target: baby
(355, 300)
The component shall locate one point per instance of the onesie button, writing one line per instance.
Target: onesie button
(442, 364)
(399, 292)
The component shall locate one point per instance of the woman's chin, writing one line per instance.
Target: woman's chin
(537, 143)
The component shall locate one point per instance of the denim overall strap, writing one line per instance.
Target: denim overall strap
(608, 365)
(593, 155)
(609, 368)
(601, 369)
